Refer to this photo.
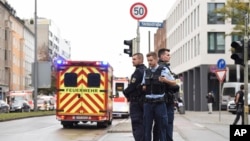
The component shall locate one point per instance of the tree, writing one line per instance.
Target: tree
(235, 10)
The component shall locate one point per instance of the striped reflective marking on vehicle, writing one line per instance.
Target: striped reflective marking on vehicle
(82, 102)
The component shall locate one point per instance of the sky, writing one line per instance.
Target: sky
(96, 29)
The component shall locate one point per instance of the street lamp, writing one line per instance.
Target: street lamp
(35, 60)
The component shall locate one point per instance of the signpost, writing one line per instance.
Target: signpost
(151, 24)
(138, 11)
(220, 73)
(221, 64)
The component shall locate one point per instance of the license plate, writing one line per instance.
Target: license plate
(232, 107)
(82, 117)
(117, 115)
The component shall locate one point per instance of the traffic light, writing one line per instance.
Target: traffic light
(238, 52)
(129, 51)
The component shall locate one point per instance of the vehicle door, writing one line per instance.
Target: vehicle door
(82, 91)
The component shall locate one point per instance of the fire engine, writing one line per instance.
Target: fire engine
(120, 102)
(84, 93)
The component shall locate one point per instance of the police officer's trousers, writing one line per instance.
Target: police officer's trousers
(136, 115)
(170, 126)
(157, 113)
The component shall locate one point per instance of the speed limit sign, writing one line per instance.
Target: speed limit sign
(138, 11)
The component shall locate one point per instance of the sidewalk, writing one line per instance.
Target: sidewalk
(187, 126)
(123, 132)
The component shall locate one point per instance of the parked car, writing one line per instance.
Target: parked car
(46, 103)
(228, 92)
(231, 106)
(20, 106)
(4, 107)
(43, 105)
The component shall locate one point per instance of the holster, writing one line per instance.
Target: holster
(169, 97)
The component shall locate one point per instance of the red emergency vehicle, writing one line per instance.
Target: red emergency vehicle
(120, 102)
(84, 92)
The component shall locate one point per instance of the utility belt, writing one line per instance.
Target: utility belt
(154, 100)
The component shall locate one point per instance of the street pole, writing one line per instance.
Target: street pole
(35, 61)
(149, 47)
(220, 100)
(138, 36)
(246, 70)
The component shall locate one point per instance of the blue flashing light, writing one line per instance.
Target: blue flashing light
(105, 63)
(101, 63)
(59, 62)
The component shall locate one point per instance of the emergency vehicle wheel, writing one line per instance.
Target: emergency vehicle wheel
(110, 122)
(67, 124)
(102, 124)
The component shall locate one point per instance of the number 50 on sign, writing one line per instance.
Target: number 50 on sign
(138, 11)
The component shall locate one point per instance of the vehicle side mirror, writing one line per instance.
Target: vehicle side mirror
(116, 94)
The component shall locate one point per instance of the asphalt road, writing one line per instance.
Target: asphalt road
(49, 129)
(191, 126)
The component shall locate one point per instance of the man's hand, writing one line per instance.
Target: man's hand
(162, 78)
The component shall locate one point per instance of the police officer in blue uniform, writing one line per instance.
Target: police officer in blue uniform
(164, 58)
(134, 94)
(154, 83)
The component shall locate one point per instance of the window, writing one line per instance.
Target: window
(94, 80)
(236, 37)
(212, 17)
(6, 35)
(216, 42)
(229, 92)
(70, 80)
(119, 87)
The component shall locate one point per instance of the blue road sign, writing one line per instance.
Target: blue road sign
(221, 64)
(151, 24)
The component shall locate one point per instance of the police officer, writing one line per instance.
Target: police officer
(134, 94)
(154, 81)
(164, 58)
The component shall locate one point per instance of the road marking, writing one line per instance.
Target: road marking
(199, 125)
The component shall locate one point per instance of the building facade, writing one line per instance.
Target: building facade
(17, 45)
(197, 39)
(15, 48)
(160, 39)
(50, 44)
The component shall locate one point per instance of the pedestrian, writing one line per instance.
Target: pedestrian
(164, 60)
(239, 101)
(179, 104)
(134, 94)
(154, 83)
(210, 101)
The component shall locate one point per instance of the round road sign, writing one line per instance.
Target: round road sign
(221, 64)
(138, 11)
